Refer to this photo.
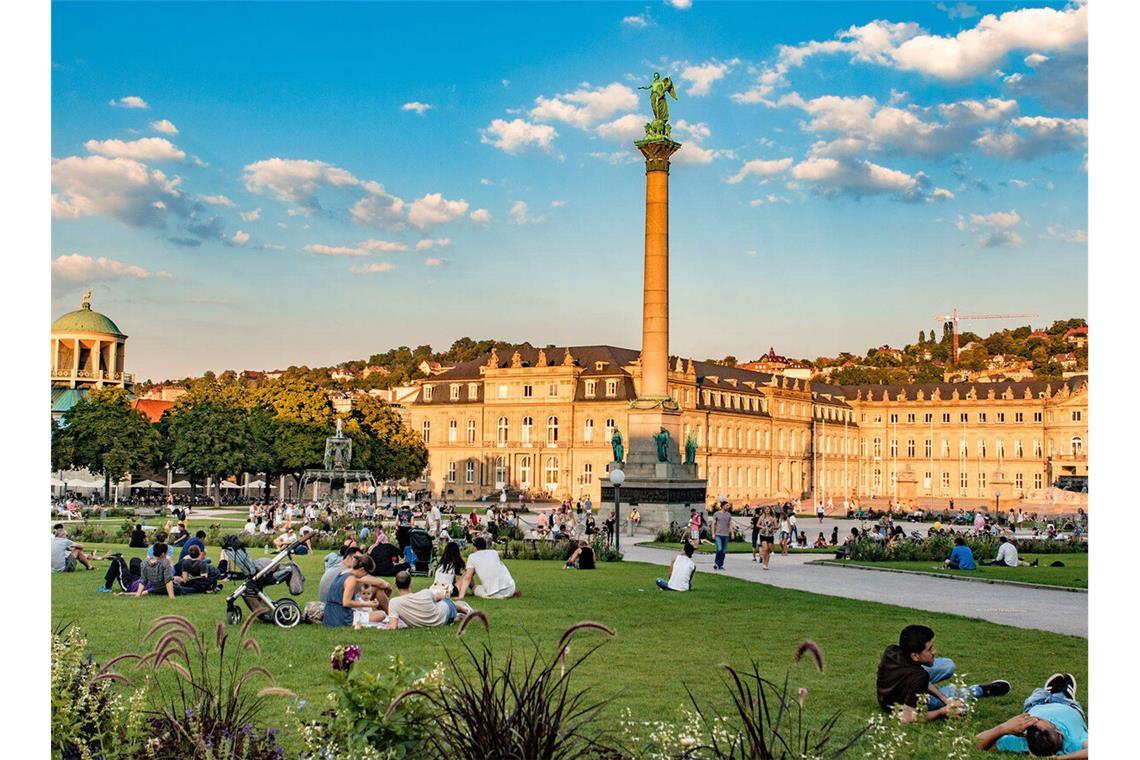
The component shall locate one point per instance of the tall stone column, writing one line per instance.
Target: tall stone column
(655, 307)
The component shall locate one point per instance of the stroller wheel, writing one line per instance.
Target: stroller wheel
(286, 613)
(233, 615)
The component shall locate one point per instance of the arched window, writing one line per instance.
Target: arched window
(550, 474)
(588, 433)
(1076, 445)
(500, 472)
(471, 431)
(451, 472)
(877, 447)
(781, 442)
(527, 426)
(552, 429)
(982, 449)
(452, 431)
(502, 431)
(610, 430)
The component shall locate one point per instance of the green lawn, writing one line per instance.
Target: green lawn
(734, 547)
(1075, 573)
(664, 642)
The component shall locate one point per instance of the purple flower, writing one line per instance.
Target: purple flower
(351, 654)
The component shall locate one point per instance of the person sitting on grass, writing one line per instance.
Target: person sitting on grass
(681, 571)
(582, 558)
(198, 540)
(1053, 724)
(961, 556)
(820, 542)
(428, 608)
(288, 538)
(156, 575)
(451, 566)
(66, 555)
(911, 668)
(159, 538)
(1006, 556)
(386, 556)
(495, 581)
(341, 597)
(138, 538)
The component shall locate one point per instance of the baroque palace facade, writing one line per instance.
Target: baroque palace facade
(541, 420)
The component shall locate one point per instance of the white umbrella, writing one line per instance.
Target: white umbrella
(180, 484)
(256, 484)
(85, 484)
(146, 484)
(228, 484)
(56, 482)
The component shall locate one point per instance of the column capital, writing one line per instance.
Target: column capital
(657, 153)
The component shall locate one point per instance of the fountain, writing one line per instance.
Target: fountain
(337, 470)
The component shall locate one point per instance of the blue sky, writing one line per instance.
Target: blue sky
(253, 186)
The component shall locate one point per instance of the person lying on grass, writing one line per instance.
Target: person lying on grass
(427, 608)
(911, 668)
(1053, 724)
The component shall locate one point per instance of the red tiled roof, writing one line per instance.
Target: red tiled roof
(152, 407)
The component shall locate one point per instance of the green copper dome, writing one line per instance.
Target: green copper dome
(85, 320)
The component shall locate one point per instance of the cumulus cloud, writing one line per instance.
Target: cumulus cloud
(1061, 81)
(217, 200)
(680, 4)
(638, 22)
(296, 181)
(996, 229)
(434, 262)
(1031, 136)
(76, 267)
(130, 101)
(121, 188)
(418, 107)
(433, 209)
(519, 214)
(628, 127)
(517, 135)
(701, 77)
(378, 208)
(830, 177)
(694, 153)
(364, 248)
(1066, 236)
(428, 243)
(240, 238)
(166, 126)
(251, 216)
(480, 216)
(585, 106)
(143, 149)
(374, 268)
(770, 198)
(760, 168)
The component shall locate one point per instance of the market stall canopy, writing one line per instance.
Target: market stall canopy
(180, 484)
(256, 484)
(147, 484)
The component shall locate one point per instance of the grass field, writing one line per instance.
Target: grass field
(664, 642)
(1075, 573)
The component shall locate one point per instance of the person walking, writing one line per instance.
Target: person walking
(722, 530)
(785, 532)
(819, 511)
(767, 535)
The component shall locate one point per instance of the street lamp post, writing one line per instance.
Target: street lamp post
(617, 477)
(997, 506)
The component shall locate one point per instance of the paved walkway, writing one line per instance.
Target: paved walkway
(1043, 609)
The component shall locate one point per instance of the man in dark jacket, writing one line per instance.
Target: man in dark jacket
(911, 668)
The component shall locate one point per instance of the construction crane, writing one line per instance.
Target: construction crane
(955, 318)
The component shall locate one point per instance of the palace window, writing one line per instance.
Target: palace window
(982, 448)
(719, 437)
(524, 472)
(503, 391)
(863, 447)
(502, 431)
(427, 432)
(588, 432)
(1001, 416)
(528, 391)
(610, 430)
(1037, 416)
(894, 419)
(1076, 416)
(963, 448)
(500, 472)
(767, 440)
(928, 418)
(469, 475)
(472, 391)
(928, 448)
(945, 479)
(552, 390)
(982, 417)
(877, 447)
(945, 451)
(550, 474)
(910, 448)
(894, 447)
(427, 393)
(910, 418)
(591, 388)
(552, 429)
(471, 431)
(1017, 481)
(964, 480)
(587, 474)
(1037, 480)
(611, 388)
(749, 438)
(1018, 417)
(1000, 448)
(455, 391)
(527, 426)
(964, 417)
(1017, 449)
(946, 417)
(1076, 445)
(452, 431)
(982, 480)
(451, 472)
(780, 440)
(1037, 448)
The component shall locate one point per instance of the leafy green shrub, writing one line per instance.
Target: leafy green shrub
(674, 534)
(541, 550)
(511, 532)
(937, 547)
(604, 552)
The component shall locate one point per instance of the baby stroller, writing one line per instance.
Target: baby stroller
(424, 549)
(259, 574)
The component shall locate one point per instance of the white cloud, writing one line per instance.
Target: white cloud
(240, 238)
(143, 149)
(701, 77)
(829, 177)
(752, 253)
(416, 106)
(585, 106)
(166, 126)
(519, 214)
(770, 198)
(76, 267)
(615, 158)
(480, 216)
(760, 168)
(296, 181)
(960, 10)
(557, 204)
(434, 209)
(427, 243)
(130, 101)
(996, 228)
(374, 268)
(251, 216)
(693, 153)
(696, 131)
(1067, 236)
(517, 135)
(485, 181)
(1000, 239)
(364, 248)
(628, 127)
(1031, 136)
(434, 262)
(217, 200)
(638, 22)
(117, 187)
(680, 4)
(378, 208)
